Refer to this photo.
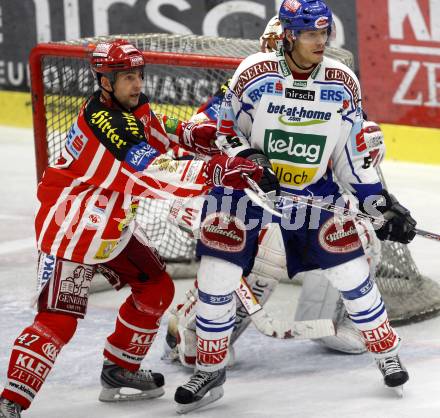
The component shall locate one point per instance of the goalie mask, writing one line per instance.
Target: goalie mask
(273, 33)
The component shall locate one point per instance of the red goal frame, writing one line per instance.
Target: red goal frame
(82, 52)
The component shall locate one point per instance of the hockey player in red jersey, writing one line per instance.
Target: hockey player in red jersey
(113, 154)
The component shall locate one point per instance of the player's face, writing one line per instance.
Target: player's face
(128, 87)
(309, 46)
(271, 44)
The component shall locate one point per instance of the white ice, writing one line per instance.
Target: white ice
(272, 378)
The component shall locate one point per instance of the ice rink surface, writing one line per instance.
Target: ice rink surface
(271, 378)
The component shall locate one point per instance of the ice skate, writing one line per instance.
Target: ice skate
(9, 409)
(394, 374)
(194, 394)
(119, 384)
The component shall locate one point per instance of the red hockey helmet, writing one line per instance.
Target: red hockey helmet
(118, 55)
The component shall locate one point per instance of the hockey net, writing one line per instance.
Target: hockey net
(182, 72)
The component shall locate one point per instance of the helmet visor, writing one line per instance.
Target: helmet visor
(323, 36)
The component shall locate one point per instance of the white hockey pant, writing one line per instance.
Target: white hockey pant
(364, 304)
(215, 311)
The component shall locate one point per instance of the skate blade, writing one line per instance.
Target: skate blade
(214, 395)
(116, 394)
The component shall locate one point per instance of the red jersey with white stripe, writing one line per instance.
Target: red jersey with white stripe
(90, 195)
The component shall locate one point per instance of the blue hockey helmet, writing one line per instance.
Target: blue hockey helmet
(299, 15)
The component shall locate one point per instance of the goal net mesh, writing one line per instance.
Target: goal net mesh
(178, 90)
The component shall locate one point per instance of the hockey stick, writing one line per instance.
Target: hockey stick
(261, 199)
(276, 328)
(350, 213)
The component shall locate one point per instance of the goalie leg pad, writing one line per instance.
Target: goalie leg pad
(320, 300)
(215, 311)
(364, 304)
(271, 257)
(181, 331)
(269, 267)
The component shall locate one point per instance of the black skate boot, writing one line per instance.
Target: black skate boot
(191, 395)
(119, 384)
(394, 374)
(9, 409)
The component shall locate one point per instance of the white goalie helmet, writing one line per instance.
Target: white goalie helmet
(375, 142)
(271, 35)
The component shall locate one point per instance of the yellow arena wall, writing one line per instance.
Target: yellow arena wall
(411, 143)
(16, 109)
(404, 143)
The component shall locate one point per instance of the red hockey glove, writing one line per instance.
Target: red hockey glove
(228, 171)
(199, 137)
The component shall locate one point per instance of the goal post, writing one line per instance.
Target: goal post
(40, 98)
(182, 72)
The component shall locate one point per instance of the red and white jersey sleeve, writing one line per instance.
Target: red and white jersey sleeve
(90, 195)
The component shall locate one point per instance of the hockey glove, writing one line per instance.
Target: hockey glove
(199, 137)
(269, 182)
(400, 225)
(228, 171)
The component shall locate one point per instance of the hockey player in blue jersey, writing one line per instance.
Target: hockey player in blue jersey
(299, 115)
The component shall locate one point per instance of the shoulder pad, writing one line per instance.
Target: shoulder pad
(335, 70)
(251, 68)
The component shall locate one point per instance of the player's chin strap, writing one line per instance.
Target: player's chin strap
(260, 198)
(111, 93)
(277, 328)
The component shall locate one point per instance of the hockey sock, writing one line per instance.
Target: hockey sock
(214, 329)
(215, 311)
(364, 304)
(370, 317)
(34, 354)
(134, 333)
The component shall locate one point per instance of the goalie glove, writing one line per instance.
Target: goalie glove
(399, 225)
(227, 171)
(269, 182)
